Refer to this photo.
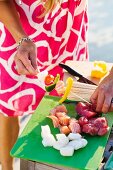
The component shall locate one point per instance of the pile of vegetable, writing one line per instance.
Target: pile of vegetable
(51, 81)
(70, 139)
(65, 144)
(99, 69)
(48, 81)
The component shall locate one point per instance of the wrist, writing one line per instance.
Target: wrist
(24, 39)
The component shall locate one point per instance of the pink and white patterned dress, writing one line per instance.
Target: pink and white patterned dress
(59, 36)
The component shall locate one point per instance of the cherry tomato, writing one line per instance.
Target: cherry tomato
(49, 79)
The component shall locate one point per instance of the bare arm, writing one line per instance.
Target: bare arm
(25, 57)
(9, 17)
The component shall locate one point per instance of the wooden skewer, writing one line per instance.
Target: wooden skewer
(74, 94)
(84, 86)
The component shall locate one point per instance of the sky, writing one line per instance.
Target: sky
(101, 30)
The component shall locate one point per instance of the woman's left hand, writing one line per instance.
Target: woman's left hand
(103, 95)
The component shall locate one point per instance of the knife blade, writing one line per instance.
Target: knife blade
(75, 73)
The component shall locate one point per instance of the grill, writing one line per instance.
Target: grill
(108, 151)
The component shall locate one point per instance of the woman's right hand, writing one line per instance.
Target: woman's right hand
(103, 94)
(26, 58)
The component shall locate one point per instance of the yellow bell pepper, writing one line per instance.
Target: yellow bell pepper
(101, 64)
(99, 70)
(69, 83)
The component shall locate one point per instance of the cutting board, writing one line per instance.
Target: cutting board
(84, 68)
(29, 144)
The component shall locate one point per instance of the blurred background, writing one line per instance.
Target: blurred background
(101, 30)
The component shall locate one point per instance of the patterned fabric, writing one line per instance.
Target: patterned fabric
(59, 36)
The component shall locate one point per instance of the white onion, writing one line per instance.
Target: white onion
(73, 136)
(48, 140)
(45, 131)
(67, 151)
(62, 139)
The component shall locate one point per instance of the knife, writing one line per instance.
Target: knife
(75, 73)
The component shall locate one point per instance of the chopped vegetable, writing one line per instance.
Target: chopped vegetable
(99, 70)
(65, 144)
(69, 83)
(67, 151)
(101, 64)
(49, 79)
(52, 86)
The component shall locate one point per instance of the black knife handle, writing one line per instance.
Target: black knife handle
(75, 73)
(70, 70)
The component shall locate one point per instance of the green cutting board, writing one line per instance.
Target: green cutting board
(29, 144)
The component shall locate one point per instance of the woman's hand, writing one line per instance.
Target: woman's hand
(60, 87)
(103, 95)
(25, 58)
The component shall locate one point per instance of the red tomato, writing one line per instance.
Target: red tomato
(49, 79)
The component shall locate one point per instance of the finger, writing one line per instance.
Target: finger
(100, 101)
(107, 103)
(111, 106)
(33, 59)
(21, 68)
(27, 63)
(94, 97)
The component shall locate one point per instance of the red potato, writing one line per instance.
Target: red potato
(85, 109)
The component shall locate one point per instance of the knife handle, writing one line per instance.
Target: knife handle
(75, 73)
(71, 71)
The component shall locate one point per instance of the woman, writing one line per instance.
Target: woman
(34, 35)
